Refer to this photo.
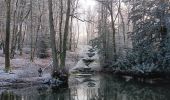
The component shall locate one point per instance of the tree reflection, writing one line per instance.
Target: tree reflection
(106, 88)
(6, 95)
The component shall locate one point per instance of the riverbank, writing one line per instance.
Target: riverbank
(84, 61)
(153, 77)
(106, 86)
(90, 62)
(24, 82)
(24, 73)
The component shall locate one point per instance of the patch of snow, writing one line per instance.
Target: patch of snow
(95, 66)
(79, 65)
(7, 76)
(22, 70)
(82, 52)
(44, 78)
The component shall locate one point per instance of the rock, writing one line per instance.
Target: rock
(87, 69)
(90, 54)
(64, 78)
(87, 61)
(88, 80)
(84, 75)
(42, 88)
(91, 50)
(55, 82)
(47, 81)
(56, 74)
(91, 84)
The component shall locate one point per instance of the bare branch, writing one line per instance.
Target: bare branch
(82, 20)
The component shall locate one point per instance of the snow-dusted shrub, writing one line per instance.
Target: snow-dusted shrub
(150, 35)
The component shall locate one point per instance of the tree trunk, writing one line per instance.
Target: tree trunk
(52, 37)
(71, 34)
(123, 23)
(7, 42)
(20, 39)
(37, 30)
(113, 30)
(78, 35)
(60, 28)
(31, 54)
(13, 37)
(65, 38)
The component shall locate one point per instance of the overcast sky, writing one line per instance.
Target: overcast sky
(87, 3)
(84, 6)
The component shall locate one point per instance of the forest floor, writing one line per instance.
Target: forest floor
(23, 72)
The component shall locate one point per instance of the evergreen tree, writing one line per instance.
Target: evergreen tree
(150, 32)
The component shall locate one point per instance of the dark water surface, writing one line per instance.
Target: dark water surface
(99, 87)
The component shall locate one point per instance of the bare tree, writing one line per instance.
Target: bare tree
(52, 36)
(60, 28)
(109, 5)
(66, 30)
(8, 20)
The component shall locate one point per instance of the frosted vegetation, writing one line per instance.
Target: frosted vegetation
(58, 38)
(150, 51)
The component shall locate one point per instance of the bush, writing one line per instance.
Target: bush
(42, 48)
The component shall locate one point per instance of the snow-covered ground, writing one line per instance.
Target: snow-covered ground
(82, 52)
(24, 71)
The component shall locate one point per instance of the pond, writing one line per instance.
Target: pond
(98, 87)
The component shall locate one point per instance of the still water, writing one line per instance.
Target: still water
(99, 87)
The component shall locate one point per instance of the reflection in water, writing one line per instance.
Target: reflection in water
(9, 96)
(103, 87)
